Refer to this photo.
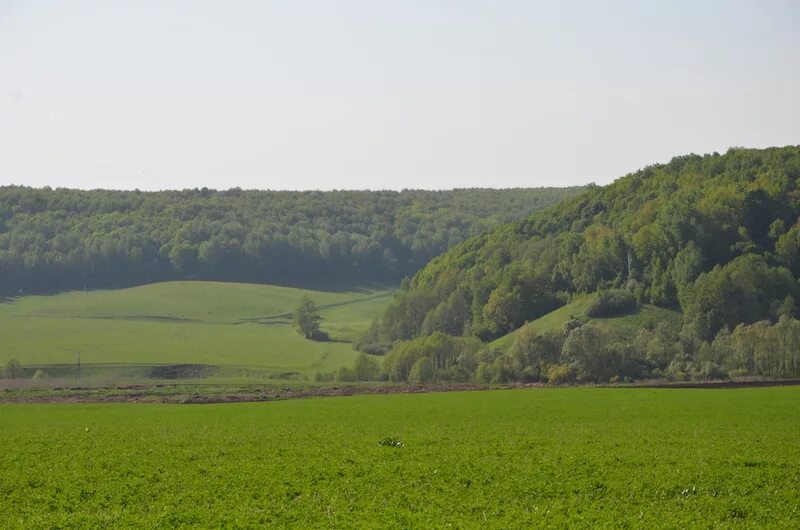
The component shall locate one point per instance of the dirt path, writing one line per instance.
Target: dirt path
(211, 394)
(198, 394)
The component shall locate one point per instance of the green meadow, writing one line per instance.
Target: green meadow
(214, 323)
(543, 458)
(645, 316)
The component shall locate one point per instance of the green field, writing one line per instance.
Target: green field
(639, 458)
(646, 315)
(215, 323)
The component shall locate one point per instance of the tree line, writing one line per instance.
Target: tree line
(586, 353)
(58, 239)
(715, 237)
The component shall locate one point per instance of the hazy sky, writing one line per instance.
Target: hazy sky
(375, 94)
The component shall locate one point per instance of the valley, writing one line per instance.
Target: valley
(237, 330)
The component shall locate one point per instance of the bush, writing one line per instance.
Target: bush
(373, 341)
(483, 334)
(569, 325)
(322, 377)
(372, 348)
(484, 373)
(39, 374)
(707, 371)
(560, 373)
(679, 370)
(13, 369)
(612, 303)
(319, 336)
(423, 371)
(346, 375)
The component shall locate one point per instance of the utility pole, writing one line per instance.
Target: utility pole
(79, 366)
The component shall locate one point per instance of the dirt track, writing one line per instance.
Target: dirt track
(221, 394)
(153, 394)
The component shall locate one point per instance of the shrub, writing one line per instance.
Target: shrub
(611, 303)
(423, 371)
(372, 348)
(679, 370)
(322, 377)
(484, 373)
(707, 371)
(346, 375)
(569, 325)
(13, 369)
(443, 351)
(319, 336)
(560, 373)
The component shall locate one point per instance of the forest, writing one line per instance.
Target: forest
(714, 239)
(60, 239)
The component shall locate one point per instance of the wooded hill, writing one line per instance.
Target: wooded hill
(715, 237)
(57, 239)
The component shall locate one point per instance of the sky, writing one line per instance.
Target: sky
(370, 94)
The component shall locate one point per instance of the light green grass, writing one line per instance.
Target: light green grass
(646, 315)
(184, 323)
(346, 322)
(558, 458)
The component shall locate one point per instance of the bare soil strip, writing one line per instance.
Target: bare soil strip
(199, 394)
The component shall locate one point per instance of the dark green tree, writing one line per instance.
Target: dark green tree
(12, 369)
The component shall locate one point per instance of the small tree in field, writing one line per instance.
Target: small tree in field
(306, 318)
(13, 369)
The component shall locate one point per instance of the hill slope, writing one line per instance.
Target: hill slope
(221, 324)
(715, 236)
(53, 240)
(646, 316)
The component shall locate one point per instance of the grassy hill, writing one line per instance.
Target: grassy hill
(214, 323)
(646, 316)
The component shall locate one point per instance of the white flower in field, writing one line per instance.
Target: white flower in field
(87, 429)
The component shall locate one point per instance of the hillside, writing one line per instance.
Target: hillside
(646, 316)
(715, 237)
(55, 240)
(128, 332)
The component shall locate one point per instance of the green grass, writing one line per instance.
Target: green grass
(216, 323)
(645, 316)
(557, 458)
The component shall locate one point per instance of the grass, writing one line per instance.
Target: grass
(556, 458)
(645, 316)
(227, 324)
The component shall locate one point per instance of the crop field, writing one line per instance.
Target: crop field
(588, 457)
(215, 323)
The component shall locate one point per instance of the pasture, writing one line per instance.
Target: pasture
(214, 323)
(554, 458)
(645, 316)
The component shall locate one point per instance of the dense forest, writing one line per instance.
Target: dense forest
(55, 239)
(715, 237)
